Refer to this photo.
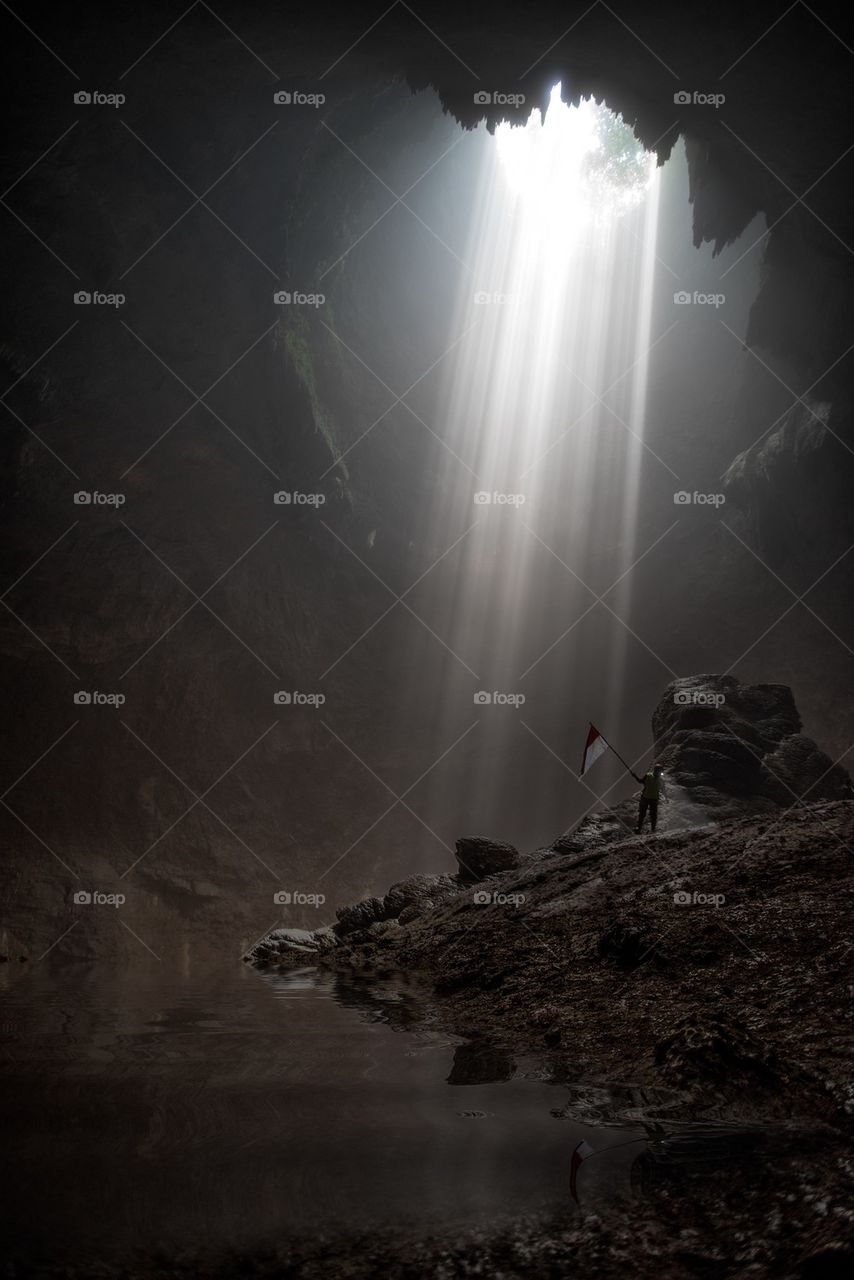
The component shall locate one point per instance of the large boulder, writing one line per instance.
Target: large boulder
(479, 858)
(417, 894)
(729, 750)
(283, 947)
(798, 767)
(408, 898)
(359, 915)
(736, 748)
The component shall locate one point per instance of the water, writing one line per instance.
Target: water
(216, 1107)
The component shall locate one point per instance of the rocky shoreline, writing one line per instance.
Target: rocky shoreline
(712, 956)
(712, 960)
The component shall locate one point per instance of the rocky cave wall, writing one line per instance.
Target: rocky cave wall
(94, 207)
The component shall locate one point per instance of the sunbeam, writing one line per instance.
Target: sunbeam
(546, 398)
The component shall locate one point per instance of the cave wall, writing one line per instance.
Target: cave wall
(104, 198)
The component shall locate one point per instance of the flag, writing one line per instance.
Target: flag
(594, 747)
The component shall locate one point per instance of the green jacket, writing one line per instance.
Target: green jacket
(653, 786)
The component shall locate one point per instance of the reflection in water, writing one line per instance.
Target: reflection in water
(671, 1159)
(176, 1111)
(674, 1157)
(480, 1064)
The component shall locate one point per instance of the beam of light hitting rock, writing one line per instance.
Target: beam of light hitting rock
(562, 247)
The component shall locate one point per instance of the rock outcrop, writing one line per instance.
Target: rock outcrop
(359, 915)
(407, 899)
(478, 858)
(737, 748)
(729, 750)
(293, 947)
(410, 898)
(357, 923)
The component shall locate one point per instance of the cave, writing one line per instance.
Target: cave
(403, 407)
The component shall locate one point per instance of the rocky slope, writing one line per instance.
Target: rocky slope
(715, 958)
(708, 966)
(739, 774)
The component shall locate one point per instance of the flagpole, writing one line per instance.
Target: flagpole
(626, 766)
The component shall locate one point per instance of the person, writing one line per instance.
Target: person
(652, 790)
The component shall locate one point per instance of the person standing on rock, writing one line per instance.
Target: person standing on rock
(652, 790)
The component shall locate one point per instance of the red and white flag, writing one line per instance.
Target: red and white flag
(594, 747)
